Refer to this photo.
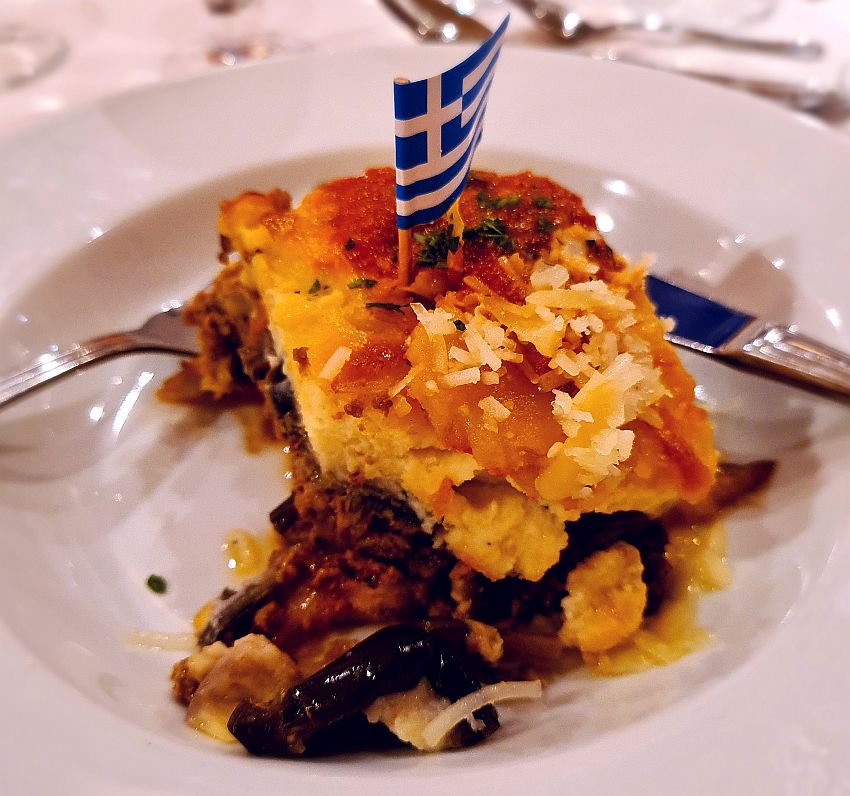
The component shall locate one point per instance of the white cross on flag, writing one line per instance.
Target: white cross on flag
(438, 125)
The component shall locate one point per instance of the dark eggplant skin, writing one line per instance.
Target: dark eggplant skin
(284, 516)
(233, 614)
(392, 660)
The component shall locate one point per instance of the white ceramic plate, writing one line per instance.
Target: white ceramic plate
(109, 212)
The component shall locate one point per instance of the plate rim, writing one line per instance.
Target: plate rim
(68, 118)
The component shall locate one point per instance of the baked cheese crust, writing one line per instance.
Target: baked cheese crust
(500, 396)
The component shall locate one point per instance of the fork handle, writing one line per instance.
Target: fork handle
(16, 385)
(790, 48)
(797, 97)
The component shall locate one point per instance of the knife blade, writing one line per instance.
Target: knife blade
(712, 328)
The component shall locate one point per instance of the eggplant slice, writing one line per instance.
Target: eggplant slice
(390, 661)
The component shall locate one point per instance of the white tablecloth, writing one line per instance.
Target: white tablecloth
(119, 44)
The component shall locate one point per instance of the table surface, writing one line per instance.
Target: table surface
(115, 46)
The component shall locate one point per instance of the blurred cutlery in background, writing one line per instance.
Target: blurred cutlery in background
(450, 21)
(831, 103)
(570, 27)
(431, 20)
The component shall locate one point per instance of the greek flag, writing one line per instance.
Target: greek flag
(438, 125)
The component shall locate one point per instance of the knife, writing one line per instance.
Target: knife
(712, 328)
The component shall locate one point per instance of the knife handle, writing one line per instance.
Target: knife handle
(792, 355)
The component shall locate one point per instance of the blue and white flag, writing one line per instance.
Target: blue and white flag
(438, 125)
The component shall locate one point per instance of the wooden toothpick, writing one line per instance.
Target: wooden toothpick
(405, 264)
(454, 260)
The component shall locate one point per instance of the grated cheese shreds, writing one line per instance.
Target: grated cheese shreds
(549, 276)
(579, 323)
(583, 326)
(463, 356)
(566, 361)
(335, 363)
(436, 321)
(478, 346)
(402, 383)
(669, 324)
(569, 416)
(554, 450)
(494, 408)
(460, 377)
(158, 640)
(465, 707)
(584, 295)
(571, 247)
(494, 335)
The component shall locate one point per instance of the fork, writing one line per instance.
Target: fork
(570, 27)
(163, 332)
(828, 103)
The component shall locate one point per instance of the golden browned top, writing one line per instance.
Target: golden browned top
(538, 284)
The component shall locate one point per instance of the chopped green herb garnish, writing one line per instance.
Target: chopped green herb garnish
(460, 326)
(315, 287)
(361, 281)
(543, 202)
(489, 202)
(157, 584)
(545, 225)
(383, 305)
(349, 244)
(436, 246)
(491, 229)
